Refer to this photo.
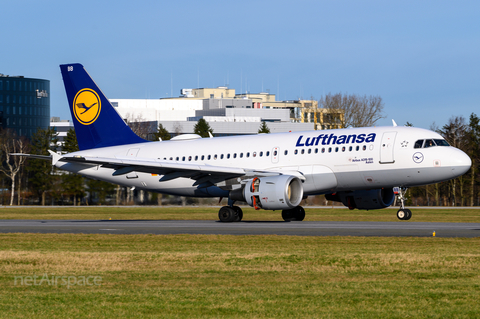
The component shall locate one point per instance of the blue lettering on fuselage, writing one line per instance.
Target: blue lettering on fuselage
(332, 139)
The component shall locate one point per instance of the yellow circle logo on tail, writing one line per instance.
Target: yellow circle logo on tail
(86, 106)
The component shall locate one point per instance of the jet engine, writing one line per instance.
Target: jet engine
(273, 192)
(364, 199)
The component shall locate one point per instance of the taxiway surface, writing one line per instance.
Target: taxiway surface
(305, 228)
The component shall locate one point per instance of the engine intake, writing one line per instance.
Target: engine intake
(273, 192)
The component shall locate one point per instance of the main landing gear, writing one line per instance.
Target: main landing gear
(228, 214)
(403, 213)
(294, 214)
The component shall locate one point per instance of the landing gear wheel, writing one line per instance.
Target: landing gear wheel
(401, 214)
(294, 214)
(227, 214)
(404, 214)
(238, 212)
(409, 214)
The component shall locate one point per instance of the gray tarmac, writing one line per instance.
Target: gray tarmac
(305, 228)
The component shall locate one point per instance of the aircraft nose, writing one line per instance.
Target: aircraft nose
(460, 163)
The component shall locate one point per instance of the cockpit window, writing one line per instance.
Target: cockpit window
(418, 144)
(430, 143)
(441, 143)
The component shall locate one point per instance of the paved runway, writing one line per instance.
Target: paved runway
(305, 228)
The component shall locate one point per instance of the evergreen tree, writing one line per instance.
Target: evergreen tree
(73, 184)
(202, 128)
(161, 133)
(41, 179)
(70, 142)
(100, 190)
(474, 153)
(263, 128)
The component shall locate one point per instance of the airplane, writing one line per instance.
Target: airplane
(363, 168)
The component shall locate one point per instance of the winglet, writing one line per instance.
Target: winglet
(394, 123)
(55, 157)
(96, 122)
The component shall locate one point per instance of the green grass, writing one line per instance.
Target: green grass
(192, 276)
(211, 213)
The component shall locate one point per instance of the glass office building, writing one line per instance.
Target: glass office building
(24, 104)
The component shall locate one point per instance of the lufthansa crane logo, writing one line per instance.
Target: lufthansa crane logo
(86, 106)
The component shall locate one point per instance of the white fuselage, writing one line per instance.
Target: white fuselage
(327, 161)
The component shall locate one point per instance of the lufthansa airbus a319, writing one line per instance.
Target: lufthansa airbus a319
(364, 168)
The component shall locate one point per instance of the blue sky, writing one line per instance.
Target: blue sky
(421, 57)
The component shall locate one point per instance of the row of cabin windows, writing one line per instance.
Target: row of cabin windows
(221, 156)
(267, 153)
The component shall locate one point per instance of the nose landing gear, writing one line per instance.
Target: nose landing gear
(403, 213)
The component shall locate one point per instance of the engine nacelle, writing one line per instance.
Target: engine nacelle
(273, 192)
(365, 199)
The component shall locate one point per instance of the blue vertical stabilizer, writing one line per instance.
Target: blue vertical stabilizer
(97, 123)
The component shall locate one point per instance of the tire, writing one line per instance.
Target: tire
(294, 214)
(408, 215)
(227, 214)
(300, 213)
(238, 212)
(288, 215)
(401, 214)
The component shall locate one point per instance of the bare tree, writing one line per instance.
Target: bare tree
(353, 110)
(140, 125)
(12, 164)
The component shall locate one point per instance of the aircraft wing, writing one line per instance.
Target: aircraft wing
(204, 175)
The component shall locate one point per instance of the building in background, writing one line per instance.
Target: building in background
(61, 127)
(24, 104)
(227, 113)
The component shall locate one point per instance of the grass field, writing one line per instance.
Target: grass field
(211, 213)
(191, 276)
(221, 276)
